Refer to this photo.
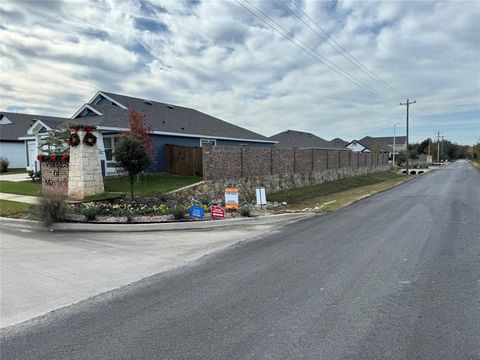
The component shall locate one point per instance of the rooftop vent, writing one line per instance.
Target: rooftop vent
(170, 106)
(182, 128)
(148, 102)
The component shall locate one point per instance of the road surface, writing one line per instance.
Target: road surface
(395, 276)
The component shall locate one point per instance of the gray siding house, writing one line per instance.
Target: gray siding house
(170, 124)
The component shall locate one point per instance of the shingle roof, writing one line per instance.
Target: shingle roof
(381, 143)
(22, 122)
(340, 142)
(168, 118)
(300, 139)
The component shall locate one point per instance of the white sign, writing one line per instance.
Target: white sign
(261, 196)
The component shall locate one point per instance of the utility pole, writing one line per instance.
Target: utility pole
(393, 159)
(442, 149)
(438, 147)
(407, 104)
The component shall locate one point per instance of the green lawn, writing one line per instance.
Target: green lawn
(13, 208)
(20, 187)
(14, 171)
(154, 184)
(304, 194)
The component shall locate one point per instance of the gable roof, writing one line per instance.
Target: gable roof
(163, 118)
(21, 123)
(339, 142)
(383, 144)
(301, 139)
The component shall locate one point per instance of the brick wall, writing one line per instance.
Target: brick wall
(235, 162)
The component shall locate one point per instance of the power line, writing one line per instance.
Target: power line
(326, 37)
(309, 50)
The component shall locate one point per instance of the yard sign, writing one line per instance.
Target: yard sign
(231, 198)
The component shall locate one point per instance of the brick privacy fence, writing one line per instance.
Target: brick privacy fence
(277, 169)
(229, 162)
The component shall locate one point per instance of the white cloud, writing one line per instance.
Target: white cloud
(218, 58)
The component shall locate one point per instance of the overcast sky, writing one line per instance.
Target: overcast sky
(217, 57)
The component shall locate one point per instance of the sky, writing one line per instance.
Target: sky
(219, 58)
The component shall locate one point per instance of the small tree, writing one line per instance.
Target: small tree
(132, 156)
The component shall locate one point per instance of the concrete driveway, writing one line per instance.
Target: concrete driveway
(43, 271)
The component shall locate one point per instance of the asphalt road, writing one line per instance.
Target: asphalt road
(395, 276)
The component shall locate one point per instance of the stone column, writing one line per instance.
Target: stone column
(85, 176)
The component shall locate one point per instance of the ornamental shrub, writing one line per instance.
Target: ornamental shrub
(178, 212)
(52, 209)
(4, 164)
(90, 213)
(245, 211)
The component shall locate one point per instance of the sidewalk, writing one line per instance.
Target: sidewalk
(15, 177)
(44, 271)
(19, 198)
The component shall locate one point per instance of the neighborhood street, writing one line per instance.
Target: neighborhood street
(394, 276)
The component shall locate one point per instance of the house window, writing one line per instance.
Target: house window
(208, 141)
(109, 143)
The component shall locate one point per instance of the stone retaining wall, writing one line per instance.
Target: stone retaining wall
(274, 183)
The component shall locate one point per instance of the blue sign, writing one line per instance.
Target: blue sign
(196, 212)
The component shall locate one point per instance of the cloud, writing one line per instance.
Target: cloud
(218, 58)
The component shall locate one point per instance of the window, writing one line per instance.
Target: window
(208, 141)
(109, 143)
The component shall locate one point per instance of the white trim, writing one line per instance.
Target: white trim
(26, 138)
(210, 140)
(108, 98)
(30, 130)
(83, 108)
(109, 128)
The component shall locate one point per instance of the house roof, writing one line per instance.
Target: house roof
(18, 124)
(384, 144)
(161, 117)
(340, 142)
(301, 139)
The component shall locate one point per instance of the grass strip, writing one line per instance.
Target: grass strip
(14, 171)
(14, 209)
(303, 194)
(336, 194)
(21, 187)
(151, 184)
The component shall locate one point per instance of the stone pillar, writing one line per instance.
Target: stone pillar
(85, 175)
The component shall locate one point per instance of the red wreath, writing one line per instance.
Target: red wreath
(53, 157)
(89, 139)
(40, 158)
(74, 139)
(65, 157)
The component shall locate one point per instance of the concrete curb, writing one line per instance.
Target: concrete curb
(193, 225)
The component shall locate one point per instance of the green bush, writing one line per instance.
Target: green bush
(52, 209)
(245, 211)
(4, 164)
(90, 213)
(178, 212)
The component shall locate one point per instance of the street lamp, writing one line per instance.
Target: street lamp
(393, 160)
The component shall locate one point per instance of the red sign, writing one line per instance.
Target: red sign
(218, 212)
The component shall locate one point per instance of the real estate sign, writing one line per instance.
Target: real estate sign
(231, 198)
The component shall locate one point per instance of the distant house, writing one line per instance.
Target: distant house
(339, 142)
(301, 139)
(170, 124)
(379, 144)
(17, 143)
